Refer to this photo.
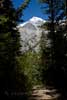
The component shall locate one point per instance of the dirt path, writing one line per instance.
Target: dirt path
(41, 93)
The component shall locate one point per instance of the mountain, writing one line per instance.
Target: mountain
(36, 21)
(30, 33)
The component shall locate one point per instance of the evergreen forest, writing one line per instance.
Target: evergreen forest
(34, 75)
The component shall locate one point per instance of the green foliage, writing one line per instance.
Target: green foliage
(30, 65)
(10, 47)
(22, 81)
(54, 56)
(23, 6)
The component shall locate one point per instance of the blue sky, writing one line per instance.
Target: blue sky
(34, 9)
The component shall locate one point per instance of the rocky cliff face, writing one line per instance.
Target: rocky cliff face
(30, 33)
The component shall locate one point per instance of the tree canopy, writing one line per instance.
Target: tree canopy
(9, 44)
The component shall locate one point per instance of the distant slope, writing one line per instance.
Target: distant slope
(30, 34)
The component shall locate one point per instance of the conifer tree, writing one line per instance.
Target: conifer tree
(56, 57)
(9, 44)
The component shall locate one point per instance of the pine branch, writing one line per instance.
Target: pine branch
(23, 6)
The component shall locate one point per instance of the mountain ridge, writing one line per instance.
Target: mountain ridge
(30, 34)
(33, 20)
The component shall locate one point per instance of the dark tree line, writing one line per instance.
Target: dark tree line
(9, 46)
(55, 56)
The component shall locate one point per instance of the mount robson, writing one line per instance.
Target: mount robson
(30, 34)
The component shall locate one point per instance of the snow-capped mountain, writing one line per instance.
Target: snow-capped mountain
(34, 20)
(30, 34)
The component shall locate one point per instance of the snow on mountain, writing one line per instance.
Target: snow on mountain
(35, 20)
(30, 34)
